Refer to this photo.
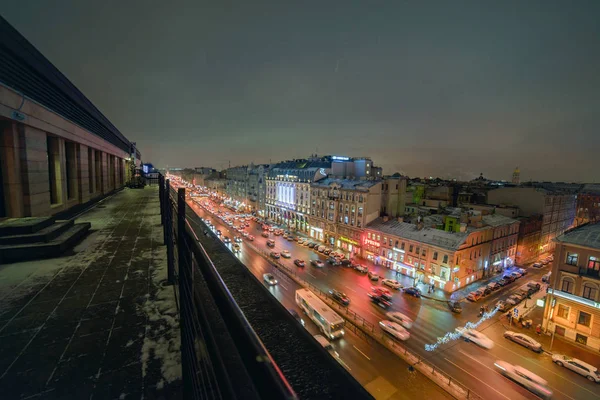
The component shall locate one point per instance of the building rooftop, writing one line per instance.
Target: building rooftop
(498, 220)
(353, 184)
(432, 236)
(591, 188)
(586, 235)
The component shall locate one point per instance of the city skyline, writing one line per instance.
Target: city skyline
(471, 90)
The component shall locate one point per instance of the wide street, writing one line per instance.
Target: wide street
(465, 362)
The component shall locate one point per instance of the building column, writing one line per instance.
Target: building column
(10, 167)
(86, 177)
(34, 171)
(104, 171)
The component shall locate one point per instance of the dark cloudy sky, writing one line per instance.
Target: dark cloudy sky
(444, 88)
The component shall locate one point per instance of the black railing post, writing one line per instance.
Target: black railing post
(161, 197)
(169, 235)
(166, 207)
(185, 297)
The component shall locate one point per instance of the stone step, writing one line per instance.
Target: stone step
(34, 251)
(45, 235)
(24, 226)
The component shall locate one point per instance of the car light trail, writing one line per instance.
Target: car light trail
(449, 336)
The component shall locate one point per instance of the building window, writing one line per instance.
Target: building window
(563, 311)
(567, 285)
(418, 250)
(572, 258)
(446, 259)
(410, 249)
(402, 246)
(584, 319)
(384, 241)
(589, 291)
(594, 263)
(435, 255)
(369, 235)
(378, 238)
(424, 253)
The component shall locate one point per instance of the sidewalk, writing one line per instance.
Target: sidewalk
(97, 322)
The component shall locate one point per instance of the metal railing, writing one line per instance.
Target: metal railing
(222, 357)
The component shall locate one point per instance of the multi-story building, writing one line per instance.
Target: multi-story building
(288, 190)
(555, 202)
(528, 243)
(341, 208)
(572, 307)
(450, 260)
(237, 187)
(505, 235)
(588, 204)
(257, 188)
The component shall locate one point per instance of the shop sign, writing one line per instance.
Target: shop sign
(372, 243)
(345, 239)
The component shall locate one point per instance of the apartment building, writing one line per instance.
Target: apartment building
(572, 308)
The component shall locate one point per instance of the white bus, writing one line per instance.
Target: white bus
(330, 323)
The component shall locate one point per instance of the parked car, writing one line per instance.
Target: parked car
(270, 279)
(413, 291)
(361, 268)
(394, 284)
(285, 254)
(534, 285)
(274, 255)
(380, 301)
(333, 261)
(481, 340)
(525, 378)
(546, 277)
(522, 271)
(312, 245)
(474, 296)
(340, 297)
(537, 265)
(581, 367)
(501, 305)
(455, 306)
(290, 238)
(373, 276)
(317, 263)
(516, 274)
(394, 329)
(301, 240)
(383, 292)
(299, 263)
(326, 251)
(524, 340)
(504, 281)
(400, 318)
(345, 262)
(493, 286)
(509, 278)
(513, 300)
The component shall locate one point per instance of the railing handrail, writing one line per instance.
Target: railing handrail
(230, 311)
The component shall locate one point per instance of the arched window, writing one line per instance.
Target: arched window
(590, 291)
(567, 285)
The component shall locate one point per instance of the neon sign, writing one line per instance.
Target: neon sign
(372, 242)
(345, 239)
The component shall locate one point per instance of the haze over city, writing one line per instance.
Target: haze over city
(438, 88)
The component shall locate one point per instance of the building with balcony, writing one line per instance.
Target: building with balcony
(257, 188)
(588, 204)
(556, 203)
(505, 235)
(572, 308)
(237, 187)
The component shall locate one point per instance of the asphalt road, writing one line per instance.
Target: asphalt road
(467, 363)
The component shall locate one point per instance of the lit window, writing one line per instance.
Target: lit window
(594, 263)
(572, 258)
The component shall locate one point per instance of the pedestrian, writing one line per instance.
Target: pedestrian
(538, 329)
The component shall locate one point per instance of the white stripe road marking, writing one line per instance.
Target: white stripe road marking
(312, 275)
(468, 373)
(283, 287)
(356, 348)
(351, 289)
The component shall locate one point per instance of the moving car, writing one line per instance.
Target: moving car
(274, 254)
(581, 367)
(297, 316)
(379, 291)
(340, 297)
(236, 248)
(299, 263)
(524, 340)
(270, 279)
(471, 335)
(250, 238)
(379, 300)
(226, 239)
(525, 378)
(285, 254)
(455, 306)
(361, 268)
(317, 263)
(265, 234)
(237, 239)
(218, 232)
(394, 284)
(333, 261)
(394, 329)
(400, 318)
(326, 345)
(345, 262)
(502, 305)
(373, 276)
(271, 243)
(546, 277)
(413, 291)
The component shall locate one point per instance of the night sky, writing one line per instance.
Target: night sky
(443, 88)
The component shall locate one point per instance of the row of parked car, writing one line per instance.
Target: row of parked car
(493, 286)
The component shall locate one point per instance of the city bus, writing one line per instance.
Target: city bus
(328, 322)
